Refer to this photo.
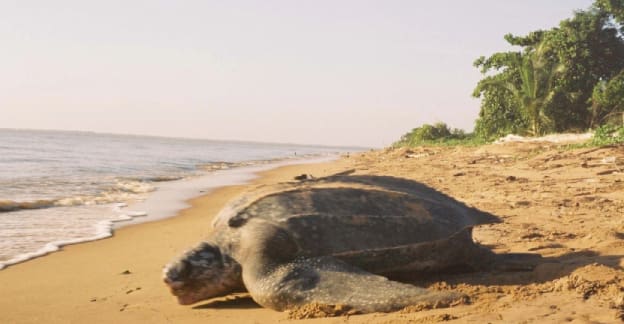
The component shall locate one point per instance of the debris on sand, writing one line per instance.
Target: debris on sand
(304, 177)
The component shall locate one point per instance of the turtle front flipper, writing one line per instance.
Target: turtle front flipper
(329, 281)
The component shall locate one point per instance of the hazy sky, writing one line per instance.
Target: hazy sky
(327, 72)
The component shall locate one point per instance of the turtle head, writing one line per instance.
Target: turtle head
(202, 273)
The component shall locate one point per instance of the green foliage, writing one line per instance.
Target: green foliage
(591, 49)
(529, 92)
(528, 81)
(499, 116)
(608, 135)
(436, 134)
(608, 100)
(613, 7)
(567, 78)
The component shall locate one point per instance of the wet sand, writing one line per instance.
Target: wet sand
(566, 205)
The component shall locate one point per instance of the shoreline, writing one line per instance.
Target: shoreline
(167, 200)
(562, 204)
(170, 198)
(118, 279)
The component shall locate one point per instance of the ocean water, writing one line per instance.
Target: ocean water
(59, 188)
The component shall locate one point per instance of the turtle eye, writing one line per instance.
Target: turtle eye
(205, 255)
(208, 251)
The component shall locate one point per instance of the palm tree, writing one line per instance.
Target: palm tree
(533, 88)
(536, 89)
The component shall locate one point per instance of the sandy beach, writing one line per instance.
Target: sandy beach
(565, 205)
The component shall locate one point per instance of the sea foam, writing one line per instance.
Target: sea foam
(103, 229)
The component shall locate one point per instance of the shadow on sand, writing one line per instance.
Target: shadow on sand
(544, 269)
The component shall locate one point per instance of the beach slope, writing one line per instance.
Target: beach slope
(564, 204)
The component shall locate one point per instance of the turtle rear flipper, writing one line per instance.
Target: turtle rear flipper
(329, 281)
(455, 252)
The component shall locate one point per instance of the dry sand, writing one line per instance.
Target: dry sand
(567, 205)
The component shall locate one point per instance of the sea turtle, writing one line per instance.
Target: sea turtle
(332, 241)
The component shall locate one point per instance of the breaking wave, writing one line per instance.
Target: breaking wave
(122, 190)
(10, 205)
(103, 229)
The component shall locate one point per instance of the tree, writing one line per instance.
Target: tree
(540, 95)
(608, 101)
(534, 89)
(499, 116)
(500, 113)
(592, 50)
